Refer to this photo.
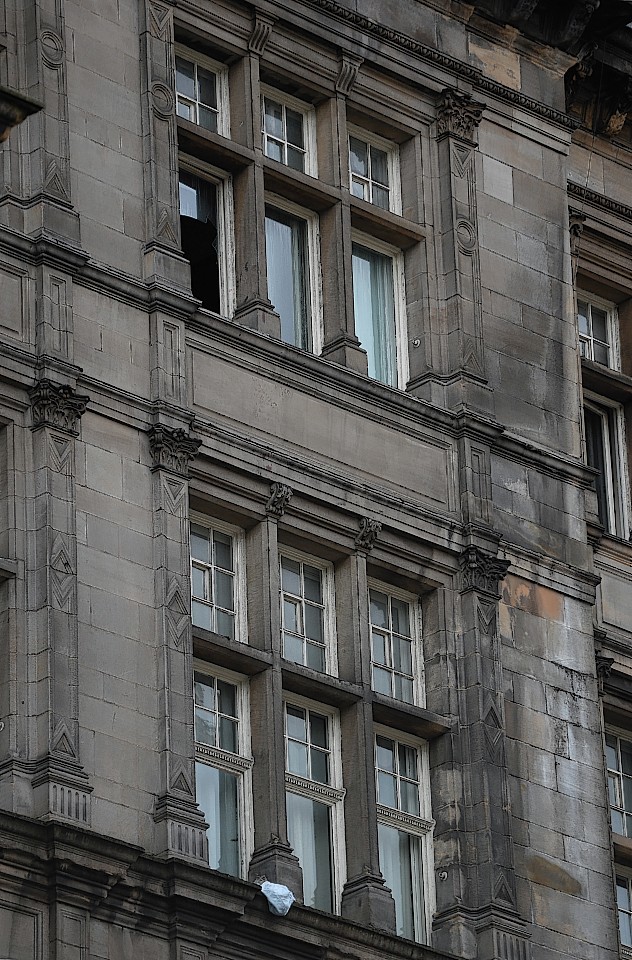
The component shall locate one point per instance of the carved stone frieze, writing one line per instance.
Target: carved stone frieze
(368, 533)
(57, 405)
(280, 496)
(172, 449)
(599, 200)
(481, 571)
(458, 115)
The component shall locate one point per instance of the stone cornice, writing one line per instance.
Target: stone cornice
(599, 200)
(441, 59)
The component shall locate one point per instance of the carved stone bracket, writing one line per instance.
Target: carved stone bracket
(172, 449)
(368, 533)
(280, 496)
(481, 571)
(576, 222)
(347, 73)
(604, 669)
(57, 405)
(261, 30)
(458, 115)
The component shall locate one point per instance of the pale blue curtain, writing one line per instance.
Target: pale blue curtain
(309, 833)
(374, 310)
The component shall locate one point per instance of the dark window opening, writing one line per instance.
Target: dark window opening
(198, 230)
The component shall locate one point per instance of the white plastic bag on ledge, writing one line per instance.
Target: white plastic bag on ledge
(280, 898)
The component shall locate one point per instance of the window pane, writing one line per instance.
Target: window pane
(309, 832)
(318, 729)
(611, 752)
(297, 758)
(316, 657)
(360, 188)
(294, 128)
(595, 456)
(287, 275)
(296, 722)
(218, 797)
(407, 762)
(403, 688)
(379, 166)
(320, 766)
(402, 655)
(205, 727)
(600, 353)
(228, 734)
(312, 577)
(274, 150)
(627, 794)
(227, 698)
(207, 119)
(292, 616)
(225, 624)
(617, 821)
(387, 789)
(395, 852)
(224, 590)
(207, 88)
(313, 623)
(385, 754)
(292, 648)
(399, 612)
(612, 790)
(626, 757)
(358, 157)
(623, 899)
(382, 681)
(625, 930)
(379, 608)
(223, 550)
(374, 310)
(201, 615)
(204, 692)
(380, 647)
(185, 78)
(381, 197)
(273, 118)
(409, 793)
(199, 543)
(582, 316)
(198, 582)
(599, 324)
(295, 159)
(291, 576)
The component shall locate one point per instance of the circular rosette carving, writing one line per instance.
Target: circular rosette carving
(52, 47)
(162, 100)
(466, 235)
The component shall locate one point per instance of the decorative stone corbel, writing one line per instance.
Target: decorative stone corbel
(261, 30)
(576, 221)
(368, 533)
(347, 72)
(280, 496)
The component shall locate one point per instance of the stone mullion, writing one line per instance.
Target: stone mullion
(488, 851)
(181, 829)
(273, 857)
(60, 786)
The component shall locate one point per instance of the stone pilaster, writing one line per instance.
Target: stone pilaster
(483, 883)
(163, 260)
(60, 785)
(458, 116)
(180, 826)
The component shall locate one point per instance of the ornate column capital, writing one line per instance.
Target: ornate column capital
(280, 496)
(481, 570)
(57, 405)
(367, 534)
(458, 114)
(172, 449)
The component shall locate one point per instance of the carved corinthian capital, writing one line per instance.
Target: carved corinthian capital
(57, 405)
(481, 571)
(172, 449)
(458, 114)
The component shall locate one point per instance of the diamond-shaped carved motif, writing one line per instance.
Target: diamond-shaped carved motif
(176, 613)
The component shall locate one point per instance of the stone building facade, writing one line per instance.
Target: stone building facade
(315, 560)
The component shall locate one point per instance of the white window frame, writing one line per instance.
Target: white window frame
(332, 794)
(612, 325)
(625, 872)
(620, 734)
(399, 298)
(422, 826)
(239, 558)
(329, 601)
(239, 764)
(416, 627)
(616, 474)
(309, 127)
(220, 71)
(315, 284)
(391, 150)
(225, 227)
